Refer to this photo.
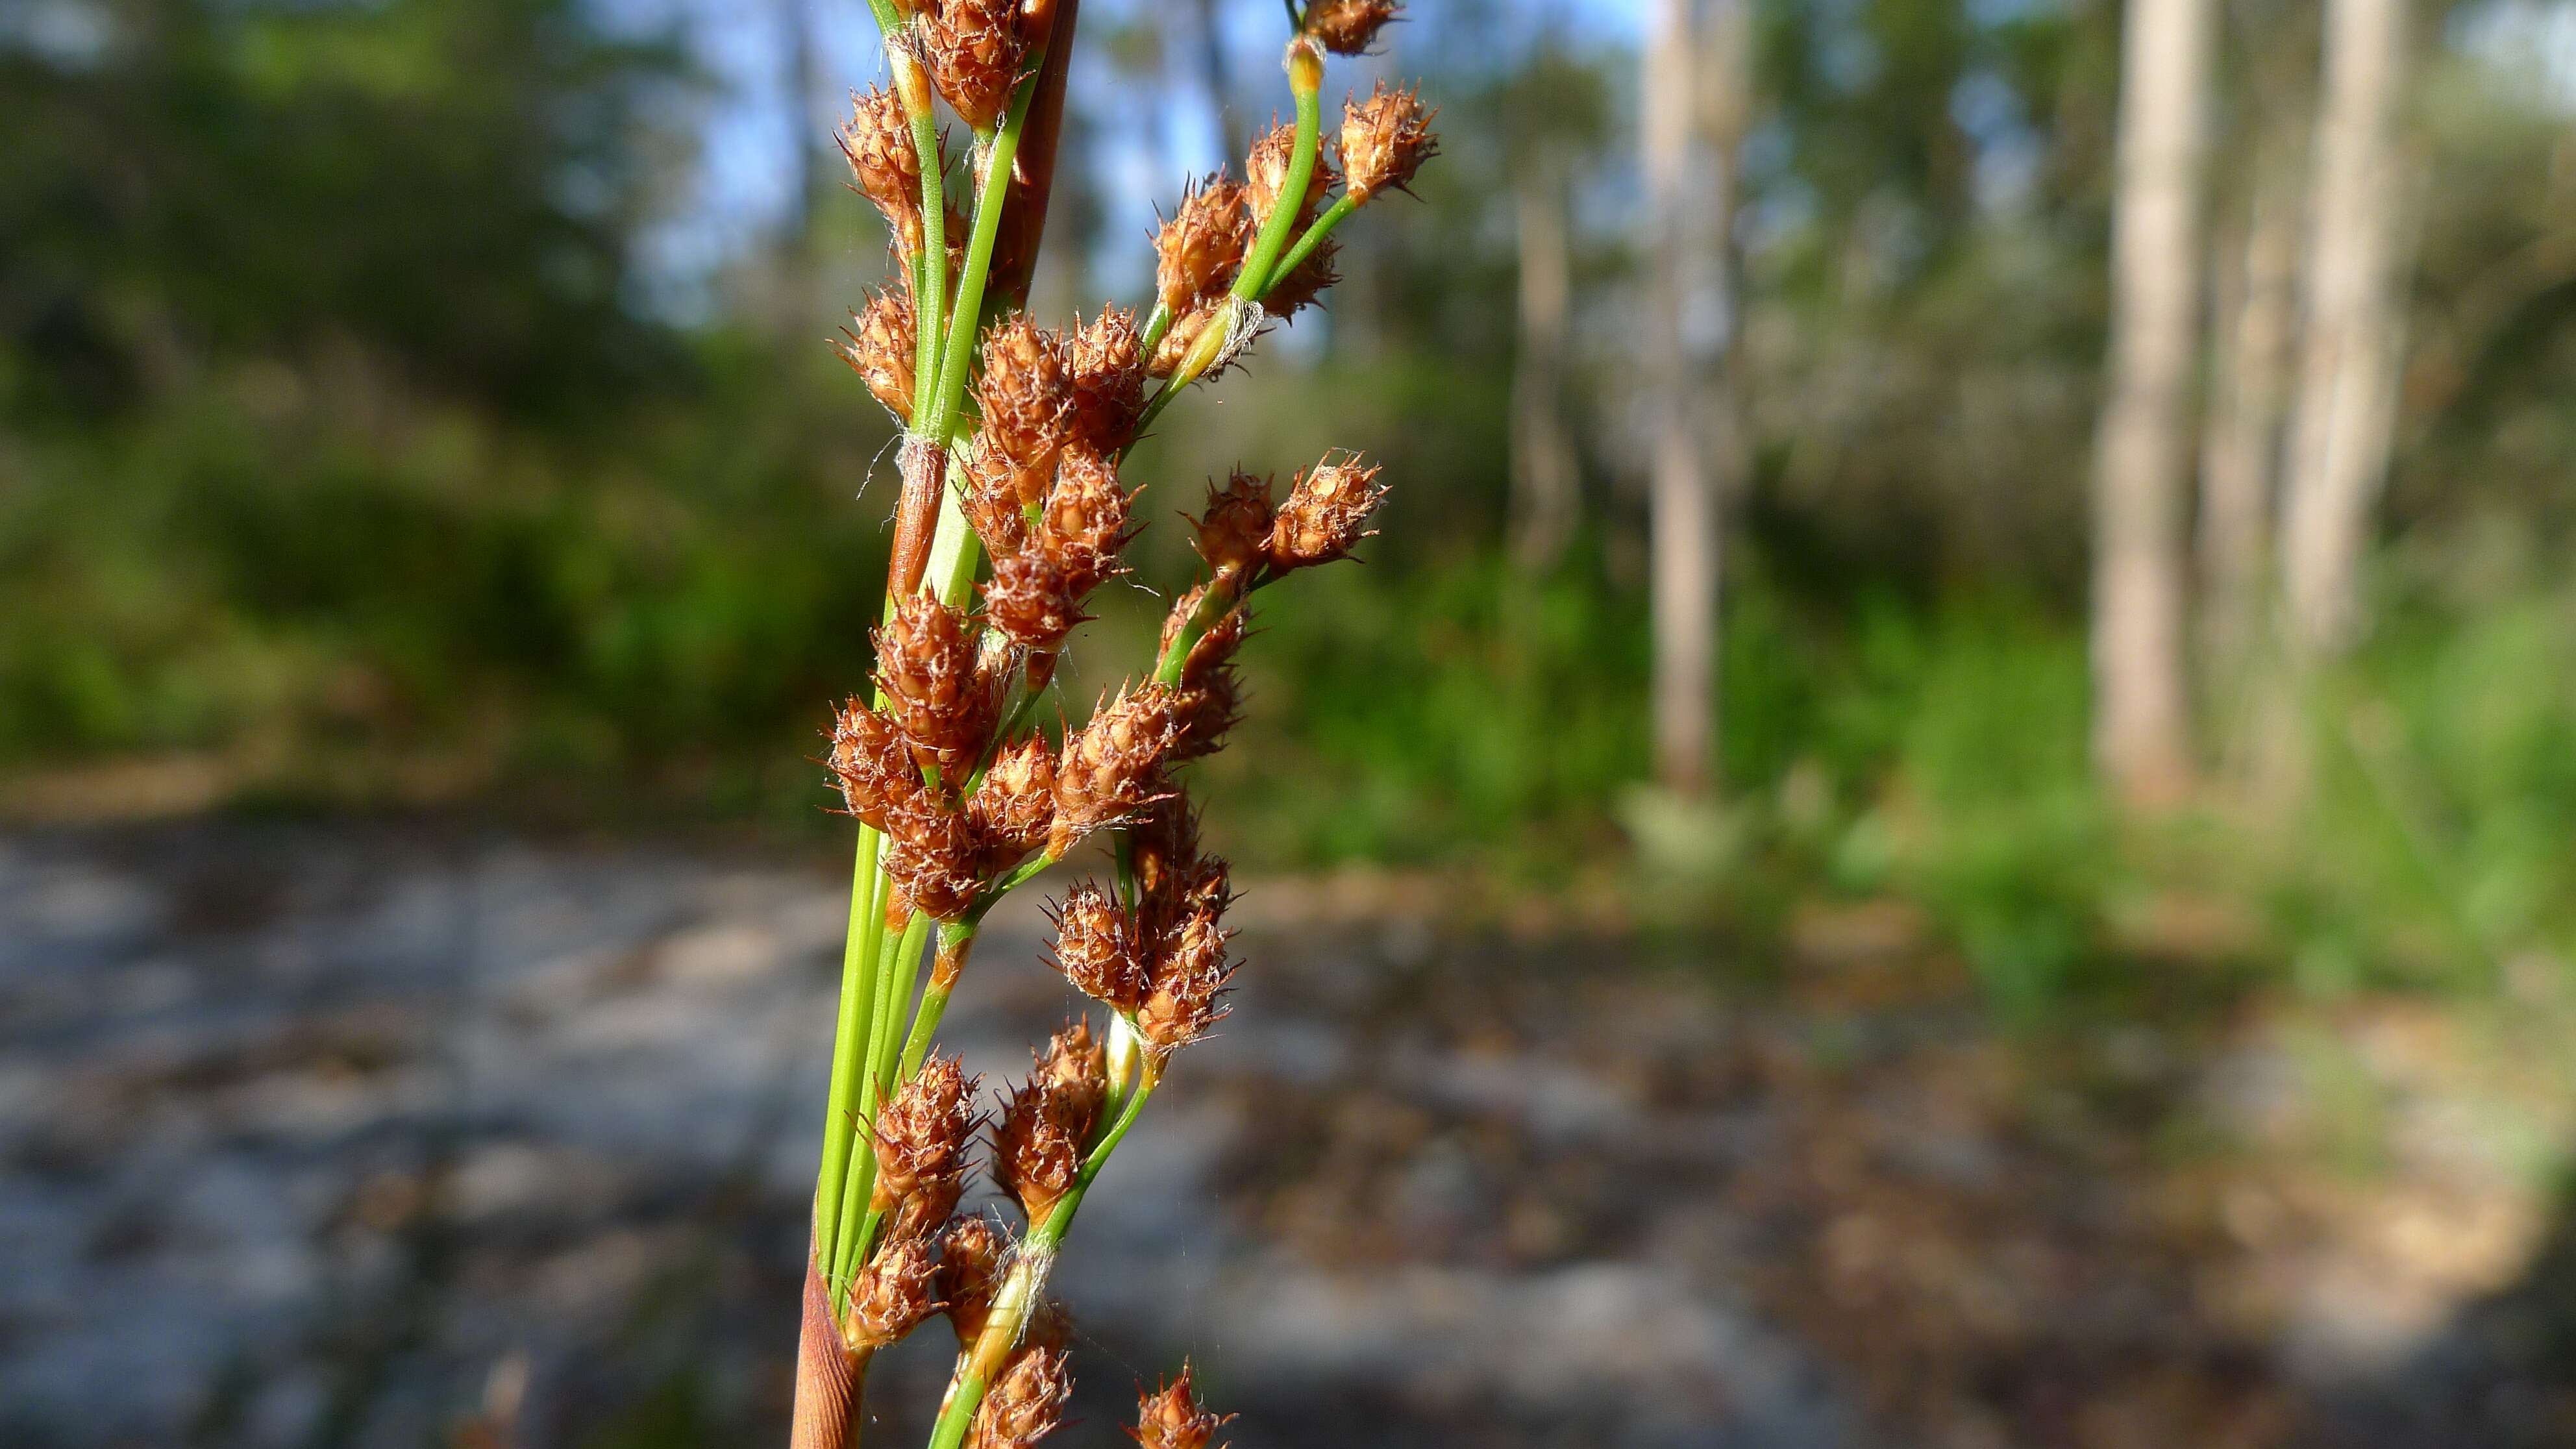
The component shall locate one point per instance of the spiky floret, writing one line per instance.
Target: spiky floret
(1015, 804)
(1266, 176)
(1348, 27)
(891, 1295)
(972, 1253)
(884, 164)
(1232, 533)
(922, 1131)
(1197, 252)
(1189, 985)
(1113, 766)
(1105, 361)
(1097, 950)
(1326, 514)
(872, 764)
(1385, 139)
(932, 858)
(1026, 1402)
(927, 664)
(878, 346)
(1208, 696)
(1038, 1140)
(974, 50)
(1027, 404)
(1172, 1417)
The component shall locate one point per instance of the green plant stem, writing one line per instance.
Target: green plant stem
(1323, 226)
(1022, 1288)
(956, 943)
(860, 1181)
(1305, 86)
(930, 264)
(992, 185)
(858, 997)
(1156, 325)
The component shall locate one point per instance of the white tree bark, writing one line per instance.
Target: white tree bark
(1546, 482)
(2338, 453)
(1695, 78)
(2141, 720)
(2256, 321)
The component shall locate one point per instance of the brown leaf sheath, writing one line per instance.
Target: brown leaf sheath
(924, 465)
(1024, 211)
(827, 1376)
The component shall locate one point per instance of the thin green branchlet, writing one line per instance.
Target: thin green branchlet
(1011, 513)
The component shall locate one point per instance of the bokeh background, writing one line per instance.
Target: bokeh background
(433, 527)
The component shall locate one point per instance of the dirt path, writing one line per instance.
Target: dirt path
(374, 1136)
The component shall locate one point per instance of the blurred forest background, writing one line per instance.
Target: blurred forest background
(422, 404)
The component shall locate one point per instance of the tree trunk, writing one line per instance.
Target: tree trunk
(1546, 483)
(2256, 319)
(1682, 517)
(2141, 728)
(2347, 370)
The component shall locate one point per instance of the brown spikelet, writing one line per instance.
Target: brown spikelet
(1197, 251)
(1326, 514)
(1097, 949)
(1385, 140)
(1266, 176)
(927, 658)
(922, 1131)
(1348, 27)
(892, 1294)
(878, 346)
(1026, 401)
(1172, 1417)
(1188, 987)
(971, 1256)
(884, 164)
(1086, 513)
(1075, 1065)
(1015, 804)
(1306, 284)
(1035, 596)
(872, 764)
(1110, 769)
(1037, 1144)
(1208, 698)
(1026, 1402)
(1104, 361)
(974, 49)
(1233, 532)
(931, 858)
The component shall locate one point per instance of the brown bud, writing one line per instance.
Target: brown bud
(1385, 140)
(1026, 1402)
(1348, 27)
(884, 163)
(1266, 176)
(927, 665)
(1026, 401)
(1075, 1066)
(922, 1131)
(1035, 596)
(1086, 512)
(973, 49)
(1171, 1417)
(892, 1294)
(1037, 1145)
(1111, 767)
(1189, 986)
(1097, 950)
(1198, 250)
(878, 346)
(932, 858)
(1233, 532)
(1015, 804)
(1326, 513)
(971, 1256)
(872, 764)
(1104, 362)
(1307, 283)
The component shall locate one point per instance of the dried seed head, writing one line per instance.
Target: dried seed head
(1189, 986)
(1111, 768)
(1075, 1065)
(872, 764)
(1035, 596)
(1385, 140)
(931, 857)
(1197, 251)
(1266, 176)
(1096, 948)
(973, 49)
(892, 1294)
(1326, 514)
(1027, 403)
(1025, 1403)
(1348, 27)
(926, 664)
(922, 1131)
(884, 163)
(1086, 513)
(1209, 696)
(878, 346)
(1233, 532)
(1037, 1144)
(971, 1255)
(1106, 364)
(1172, 1417)
(1015, 804)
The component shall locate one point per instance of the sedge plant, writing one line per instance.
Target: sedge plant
(1010, 513)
